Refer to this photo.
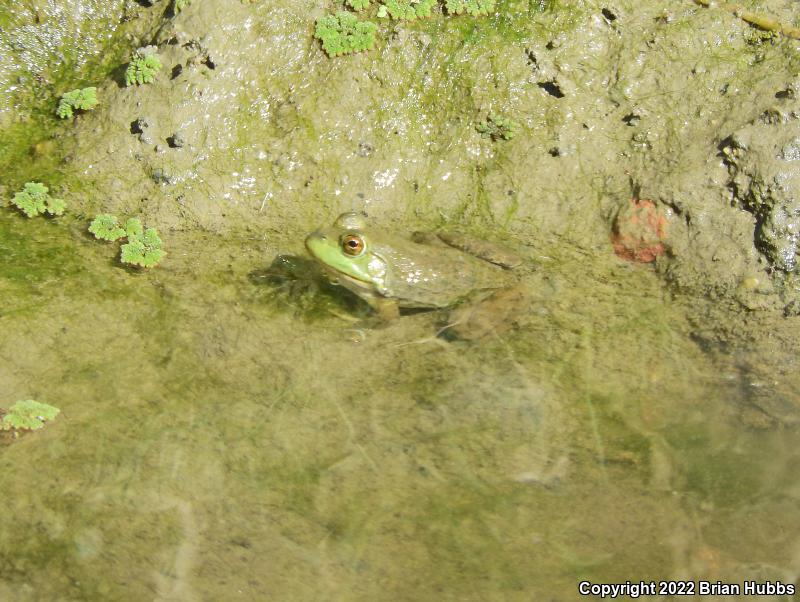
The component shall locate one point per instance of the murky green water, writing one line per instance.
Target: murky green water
(216, 445)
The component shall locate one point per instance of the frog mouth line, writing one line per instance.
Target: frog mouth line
(335, 276)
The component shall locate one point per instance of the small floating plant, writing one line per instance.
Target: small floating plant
(142, 247)
(82, 99)
(406, 10)
(497, 128)
(28, 415)
(344, 33)
(143, 67)
(34, 199)
(179, 5)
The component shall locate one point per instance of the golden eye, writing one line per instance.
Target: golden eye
(352, 244)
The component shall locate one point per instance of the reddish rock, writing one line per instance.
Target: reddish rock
(640, 231)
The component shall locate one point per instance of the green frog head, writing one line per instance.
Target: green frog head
(346, 251)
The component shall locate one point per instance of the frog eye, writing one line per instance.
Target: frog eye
(352, 244)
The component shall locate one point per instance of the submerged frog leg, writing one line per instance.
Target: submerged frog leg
(492, 314)
(387, 309)
(482, 249)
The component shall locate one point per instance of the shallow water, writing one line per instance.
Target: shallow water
(216, 443)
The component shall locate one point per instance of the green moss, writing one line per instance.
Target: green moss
(475, 8)
(343, 33)
(83, 99)
(35, 199)
(28, 415)
(497, 128)
(106, 227)
(406, 9)
(142, 69)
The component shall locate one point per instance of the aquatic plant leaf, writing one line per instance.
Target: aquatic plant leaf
(55, 206)
(106, 227)
(28, 415)
(497, 127)
(32, 199)
(142, 69)
(343, 33)
(143, 249)
(406, 9)
(179, 5)
(358, 4)
(83, 99)
(35, 199)
(475, 8)
(133, 227)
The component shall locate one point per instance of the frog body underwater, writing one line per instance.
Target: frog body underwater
(391, 272)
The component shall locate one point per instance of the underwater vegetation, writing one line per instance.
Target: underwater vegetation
(143, 246)
(82, 99)
(358, 4)
(28, 415)
(497, 127)
(34, 199)
(344, 33)
(143, 68)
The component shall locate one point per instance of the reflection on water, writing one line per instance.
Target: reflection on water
(216, 444)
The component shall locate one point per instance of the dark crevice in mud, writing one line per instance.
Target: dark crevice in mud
(631, 119)
(552, 88)
(609, 16)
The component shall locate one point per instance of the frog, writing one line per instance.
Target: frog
(422, 271)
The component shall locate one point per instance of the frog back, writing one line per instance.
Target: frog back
(418, 276)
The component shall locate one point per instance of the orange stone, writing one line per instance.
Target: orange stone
(640, 231)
